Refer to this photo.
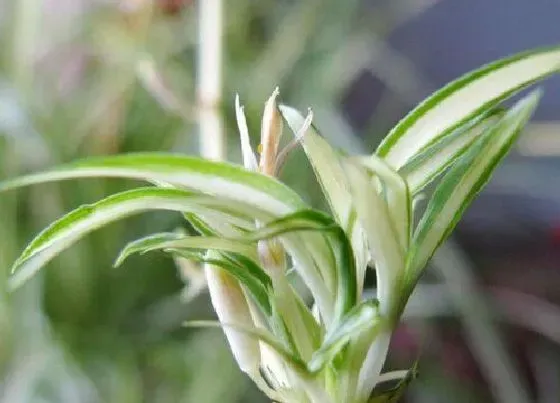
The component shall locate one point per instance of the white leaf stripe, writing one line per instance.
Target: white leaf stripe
(423, 168)
(262, 197)
(215, 178)
(464, 180)
(325, 163)
(465, 98)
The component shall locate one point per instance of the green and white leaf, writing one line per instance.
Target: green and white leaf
(248, 273)
(382, 237)
(463, 99)
(326, 163)
(364, 317)
(424, 167)
(214, 178)
(73, 226)
(240, 260)
(252, 195)
(170, 240)
(463, 181)
(343, 268)
(397, 195)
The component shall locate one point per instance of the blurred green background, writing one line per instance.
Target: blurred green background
(92, 77)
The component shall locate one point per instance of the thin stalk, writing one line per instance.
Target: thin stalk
(209, 91)
(209, 79)
(227, 296)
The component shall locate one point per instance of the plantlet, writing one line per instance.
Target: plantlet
(254, 230)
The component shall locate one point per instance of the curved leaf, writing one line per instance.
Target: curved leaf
(325, 162)
(85, 219)
(247, 273)
(214, 178)
(396, 193)
(463, 182)
(170, 240)
(240, 260)
(251, 194)
(463, 99)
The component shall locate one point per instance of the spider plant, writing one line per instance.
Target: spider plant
(258, 237)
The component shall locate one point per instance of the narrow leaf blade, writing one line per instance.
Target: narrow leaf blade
(168, 240)
(85, 219)
(464, 181)
(214, 178)
(463, 99)
(372, 211)
(246, 271)
(343, 267)
(396, 193)
(424, 167)
(326, 163)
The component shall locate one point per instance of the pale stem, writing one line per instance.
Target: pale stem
(227, 297)
(27, 25)
(209, 79)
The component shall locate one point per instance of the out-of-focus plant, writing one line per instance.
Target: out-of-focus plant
(258, 235)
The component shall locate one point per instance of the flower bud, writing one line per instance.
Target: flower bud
(271, 131)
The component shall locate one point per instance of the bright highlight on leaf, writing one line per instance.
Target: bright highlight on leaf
(260, 244)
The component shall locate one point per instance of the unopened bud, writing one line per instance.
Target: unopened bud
(271, 131)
